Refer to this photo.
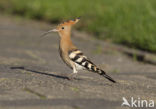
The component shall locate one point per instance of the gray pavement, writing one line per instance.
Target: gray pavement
(32, 75)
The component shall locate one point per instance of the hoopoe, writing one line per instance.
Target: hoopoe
(69, 53)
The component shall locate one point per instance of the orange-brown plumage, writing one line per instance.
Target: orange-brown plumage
(64, 47)
(66, 44)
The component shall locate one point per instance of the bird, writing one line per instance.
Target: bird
(70, 54)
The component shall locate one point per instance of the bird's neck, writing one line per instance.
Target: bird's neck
(66, 43)
(66, 40)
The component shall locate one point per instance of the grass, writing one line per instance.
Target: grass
(128, 22)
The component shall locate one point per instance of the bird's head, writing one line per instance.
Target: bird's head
(64, 28)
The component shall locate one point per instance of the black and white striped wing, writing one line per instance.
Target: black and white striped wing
(78, 57)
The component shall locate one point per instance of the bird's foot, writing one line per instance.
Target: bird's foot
(72, 76)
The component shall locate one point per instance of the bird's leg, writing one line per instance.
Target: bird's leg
(73, 75)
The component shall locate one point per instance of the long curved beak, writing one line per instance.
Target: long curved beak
(53, 30)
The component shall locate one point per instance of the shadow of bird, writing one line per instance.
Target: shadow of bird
(39, 72)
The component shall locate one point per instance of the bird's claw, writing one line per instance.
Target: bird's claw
(71, 76)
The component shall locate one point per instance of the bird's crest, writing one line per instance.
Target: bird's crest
(69, 22)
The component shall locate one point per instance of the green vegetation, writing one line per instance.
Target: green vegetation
(129, 22)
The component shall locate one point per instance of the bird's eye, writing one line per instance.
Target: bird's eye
(62, 27)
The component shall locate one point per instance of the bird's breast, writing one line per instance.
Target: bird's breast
(64, 57)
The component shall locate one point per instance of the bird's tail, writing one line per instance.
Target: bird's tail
(101, 72)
